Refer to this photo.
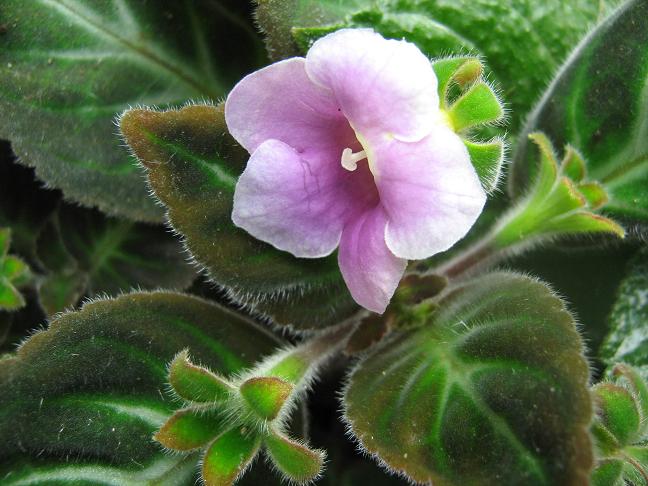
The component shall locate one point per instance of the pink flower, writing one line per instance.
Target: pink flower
(350, 148)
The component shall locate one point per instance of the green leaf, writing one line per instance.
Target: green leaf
(627, 340)
(266, 395)
(89, 253)
(296, 461)
(515, 36)
(67, 67)
(228, 457)
(492, 391)
(195, 383)
(599, 104)
(190, 429)
(82, 400)
(193, 165)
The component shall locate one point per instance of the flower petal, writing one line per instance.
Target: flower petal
(281, 102)
(382, 86)
(430, 191)
(370, 270)
(293, 204)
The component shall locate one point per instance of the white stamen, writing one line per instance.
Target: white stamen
(350, 160)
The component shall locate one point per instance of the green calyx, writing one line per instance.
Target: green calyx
(231, 420)
(471, 103)
(14, 273)
(620, 429)
(266, 395)
(560, 201)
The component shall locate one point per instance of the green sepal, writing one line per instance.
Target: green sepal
(608, 473)
(639, 388)
(295, 460)
(463, 70)
(584, 222)
(573, 164)
(266, 395)
(15, 270)
(487, 158)
(548, 169)
(555, 205)
(10, 297)
(194, 383)
(228, 457)
(595, 194)
(189, 429)
(618, 411)
(477, 106)
(619, 429)
(291, 368)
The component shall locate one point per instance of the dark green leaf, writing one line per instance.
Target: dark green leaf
(89, 253)
(492, 391)
(627, 340)
(523, 43)
(193, 165)
(81, 401)
(67, 67)
(599, 103)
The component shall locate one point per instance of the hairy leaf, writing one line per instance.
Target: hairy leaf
(81, 400)
(492, 391)
(193, 165)
(627, 340)
(67, 67)
(515, 36)
(599, 104)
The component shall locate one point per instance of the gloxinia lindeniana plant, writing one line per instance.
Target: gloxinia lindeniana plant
(361, 156)
(351, 203)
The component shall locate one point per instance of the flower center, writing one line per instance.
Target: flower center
(350, 160)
